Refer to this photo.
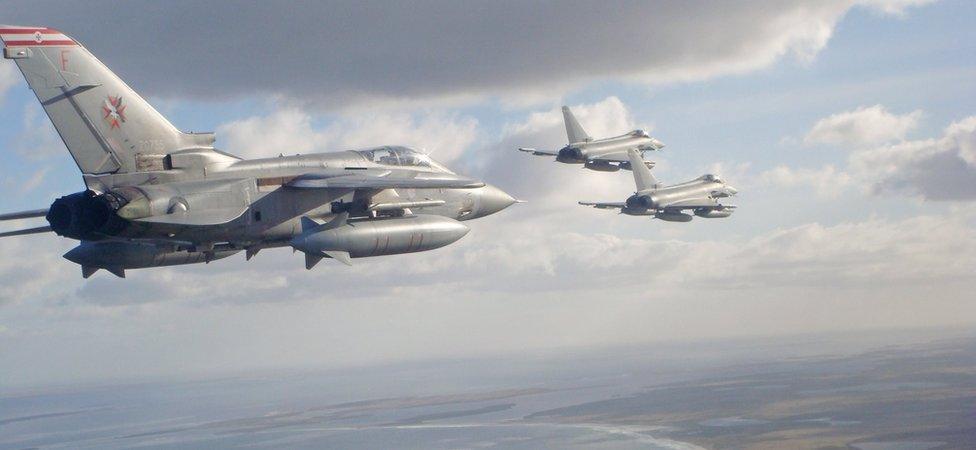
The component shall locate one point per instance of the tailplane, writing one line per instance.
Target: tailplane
(107, 127)
(574, 131)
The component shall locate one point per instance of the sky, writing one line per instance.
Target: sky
(847, 126)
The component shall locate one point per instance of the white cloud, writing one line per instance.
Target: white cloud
(31, 268)
(9, 77)
(34, 180)
(553, 185)
(827, 182)
(289, 130)
(896, 8)
(862, 126)
(446, 51)
(38, 139)
(935, 169)
(942, 168)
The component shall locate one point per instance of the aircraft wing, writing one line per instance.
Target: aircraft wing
(199, 218)
(605, 205)
(386, 179)
(24, 214)
(537, 152)
(617, 157)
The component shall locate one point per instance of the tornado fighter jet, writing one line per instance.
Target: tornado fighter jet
(702, 196)
(156, 196)
(605, 155)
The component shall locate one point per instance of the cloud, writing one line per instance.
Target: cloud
(940, 169)
(849, 255)
(862, 126)
(290, 130)
(38, 140)
(346, 54)
(550, 184)
(861, 254)
(827, 182)
(935, 169)
(32, 269)
(540, 258)
(9, 77)
(896, 8)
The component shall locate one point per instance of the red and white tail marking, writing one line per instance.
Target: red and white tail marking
(13, 36)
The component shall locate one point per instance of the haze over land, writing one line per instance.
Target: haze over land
(891, 390)
(847, 126)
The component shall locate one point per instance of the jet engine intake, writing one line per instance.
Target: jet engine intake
(637, 201)
(570, 155)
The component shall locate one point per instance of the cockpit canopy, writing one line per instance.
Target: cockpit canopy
(400, 157)
(639, 133)
(711, 178)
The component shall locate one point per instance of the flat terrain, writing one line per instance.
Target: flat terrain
(913, 397)
(850, 392)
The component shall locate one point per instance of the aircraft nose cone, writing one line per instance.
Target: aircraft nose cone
(491, 200)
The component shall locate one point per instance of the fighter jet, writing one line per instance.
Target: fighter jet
(701, 196)
(605, 155)
(156, 196)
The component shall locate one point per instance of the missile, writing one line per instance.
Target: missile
(378, 207)
(341, 239)
(116, 256)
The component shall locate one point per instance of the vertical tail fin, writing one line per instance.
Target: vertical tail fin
(107, 127)
(642, 175)
(574, 131)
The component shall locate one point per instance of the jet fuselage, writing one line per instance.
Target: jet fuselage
(273, 210)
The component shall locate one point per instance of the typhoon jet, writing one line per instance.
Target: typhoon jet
(702, 196)
(605, 155)
(156, 196)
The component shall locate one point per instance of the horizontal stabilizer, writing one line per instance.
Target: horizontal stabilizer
(36, 230)
(204, 217)
(24, 214)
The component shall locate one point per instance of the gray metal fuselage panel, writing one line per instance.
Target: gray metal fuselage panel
(683, 191)
(610, 145)
(274, 211)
